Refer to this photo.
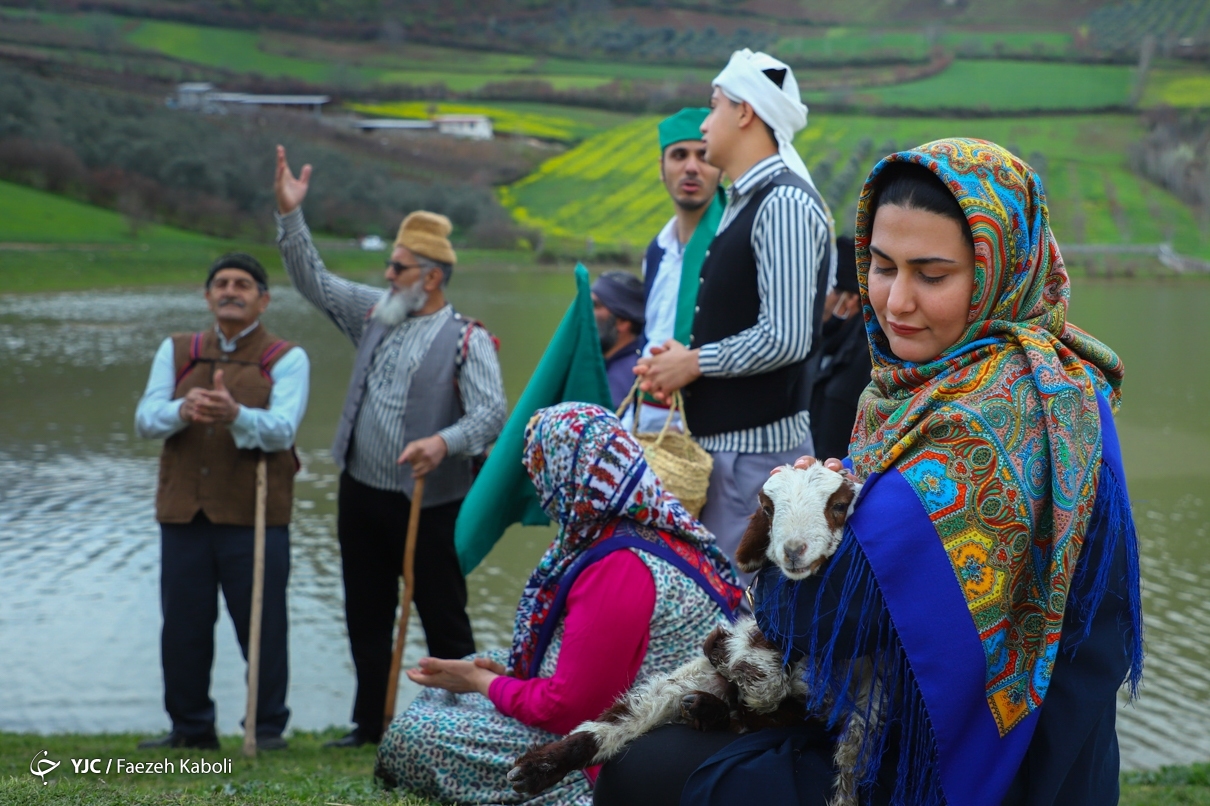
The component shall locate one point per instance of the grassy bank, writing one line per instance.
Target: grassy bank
(51, 243)
(303, 773)
(308, 773)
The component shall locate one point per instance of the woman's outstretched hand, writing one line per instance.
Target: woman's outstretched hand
(290, 192)
(458, 676)
(803, 462)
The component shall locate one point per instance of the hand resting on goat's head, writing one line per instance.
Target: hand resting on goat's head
(811, 504)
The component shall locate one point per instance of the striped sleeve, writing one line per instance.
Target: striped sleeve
(344, 301)
(483, 400)
(789, 238)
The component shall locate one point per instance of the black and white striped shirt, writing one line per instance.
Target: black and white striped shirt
(790, 235)
(378, 432)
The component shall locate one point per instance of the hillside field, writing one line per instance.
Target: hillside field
(32, 216)
(990, 85)
(544, 121)
(275, 55)
(608, 188)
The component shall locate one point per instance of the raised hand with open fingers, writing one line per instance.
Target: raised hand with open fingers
(290, 192)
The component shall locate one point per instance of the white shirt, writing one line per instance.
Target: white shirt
(272, 429)
(660, 314)
(661, 304)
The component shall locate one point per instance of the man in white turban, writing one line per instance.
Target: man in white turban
(760, 295)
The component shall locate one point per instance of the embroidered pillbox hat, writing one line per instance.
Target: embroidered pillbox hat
(428, 235)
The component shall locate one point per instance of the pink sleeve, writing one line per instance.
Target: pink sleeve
(605, 632)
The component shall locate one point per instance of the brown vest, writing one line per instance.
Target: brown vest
(200, 467)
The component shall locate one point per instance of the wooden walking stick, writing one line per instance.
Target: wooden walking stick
(405, 606)
(258, 599)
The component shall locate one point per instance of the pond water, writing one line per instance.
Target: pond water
(79, 546)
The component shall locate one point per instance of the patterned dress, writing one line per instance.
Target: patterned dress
(593, 480)
(458, 747)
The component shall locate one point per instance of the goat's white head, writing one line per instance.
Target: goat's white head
(800, 520)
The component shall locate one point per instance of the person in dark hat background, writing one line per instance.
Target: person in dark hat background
(839, 371)
(220, 399)
(617, 303)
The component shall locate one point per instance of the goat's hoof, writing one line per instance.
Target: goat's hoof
(705, 712)
(531, 778)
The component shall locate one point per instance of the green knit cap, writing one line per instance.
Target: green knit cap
(684, 125)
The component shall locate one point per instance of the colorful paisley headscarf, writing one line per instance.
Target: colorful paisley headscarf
(589, 472)
(999, 436)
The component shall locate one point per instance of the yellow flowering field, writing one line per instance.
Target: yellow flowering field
(608, 187)
(542, 124)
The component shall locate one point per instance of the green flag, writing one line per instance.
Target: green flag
(572, 368)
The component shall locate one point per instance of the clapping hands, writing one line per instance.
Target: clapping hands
(210, 405)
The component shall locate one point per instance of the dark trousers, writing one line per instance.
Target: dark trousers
(372, 527)
(198, 559)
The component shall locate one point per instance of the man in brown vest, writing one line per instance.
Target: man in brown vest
(220, 399)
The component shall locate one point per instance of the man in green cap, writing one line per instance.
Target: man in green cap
(673, 263)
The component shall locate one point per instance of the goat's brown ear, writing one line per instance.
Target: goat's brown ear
(753, 549)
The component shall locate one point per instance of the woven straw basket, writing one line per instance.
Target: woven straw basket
(677, 460)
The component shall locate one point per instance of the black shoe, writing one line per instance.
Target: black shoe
(271, 743)
(206, 741)
(353, 738)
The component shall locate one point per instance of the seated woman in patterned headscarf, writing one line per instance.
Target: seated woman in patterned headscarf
(989, 572)
(629, 588)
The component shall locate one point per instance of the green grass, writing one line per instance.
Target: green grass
(225, 48)
(32, 216)
(262, 54)
(1181, 87)
(306, 773)
(1000, 85)
(842, 44)
(608, 187)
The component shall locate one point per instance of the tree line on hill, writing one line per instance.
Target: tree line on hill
(211, 174)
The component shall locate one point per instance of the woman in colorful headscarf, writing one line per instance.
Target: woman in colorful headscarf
(629, 588)
(989, 571)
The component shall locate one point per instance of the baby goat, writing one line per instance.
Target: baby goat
(739, 683)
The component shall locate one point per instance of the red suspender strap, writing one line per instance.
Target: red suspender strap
(195, 352)
(274, 350)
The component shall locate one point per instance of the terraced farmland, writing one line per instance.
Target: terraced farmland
(608, 188)
(1000, 85)
(855, 45)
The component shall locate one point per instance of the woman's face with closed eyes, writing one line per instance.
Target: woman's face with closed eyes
(922, 276)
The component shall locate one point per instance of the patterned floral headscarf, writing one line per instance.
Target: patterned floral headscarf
(1000, 435)
(589, 472)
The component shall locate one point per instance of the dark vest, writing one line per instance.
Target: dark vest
(434, 402)
(728, 302)
(200, 467)
(653, 258)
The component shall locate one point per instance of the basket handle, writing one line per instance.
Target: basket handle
(631, 399)
(677, 406)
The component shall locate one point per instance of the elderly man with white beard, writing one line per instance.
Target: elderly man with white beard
(425, 399)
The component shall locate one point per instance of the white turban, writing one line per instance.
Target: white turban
(782, 108)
